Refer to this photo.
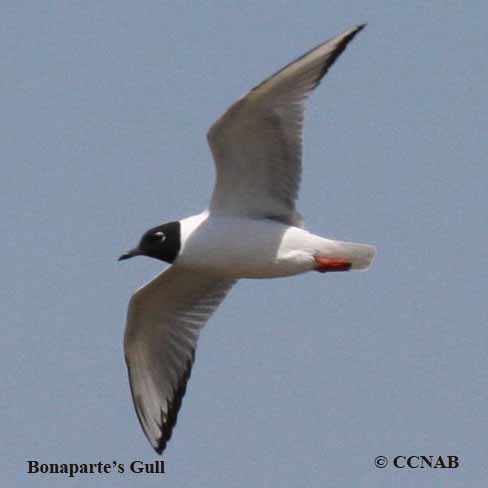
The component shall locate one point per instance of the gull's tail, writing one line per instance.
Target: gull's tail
(360, 256)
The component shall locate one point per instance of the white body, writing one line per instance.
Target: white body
(239, 247)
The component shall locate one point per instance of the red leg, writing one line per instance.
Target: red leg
(325, 264)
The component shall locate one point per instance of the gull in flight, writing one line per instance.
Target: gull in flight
(251, 229)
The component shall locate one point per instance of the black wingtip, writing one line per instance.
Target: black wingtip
(159, 449)
(174, 406)
(355, 31)
(168, 421)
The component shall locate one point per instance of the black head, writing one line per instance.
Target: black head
(162, 242)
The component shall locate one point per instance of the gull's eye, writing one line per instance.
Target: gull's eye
(160, 235)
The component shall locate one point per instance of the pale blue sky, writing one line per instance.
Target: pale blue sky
(297, 382)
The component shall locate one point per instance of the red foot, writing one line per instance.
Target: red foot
(325, 265)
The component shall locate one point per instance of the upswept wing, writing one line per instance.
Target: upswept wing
(257, 143)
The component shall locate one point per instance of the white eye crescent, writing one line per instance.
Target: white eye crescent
(161, 235)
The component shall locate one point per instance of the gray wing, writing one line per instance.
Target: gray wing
(163, 324)
(257, 143)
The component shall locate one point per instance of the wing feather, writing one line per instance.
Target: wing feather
(257, 143)
(164, 321)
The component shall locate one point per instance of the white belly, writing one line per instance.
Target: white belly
(246, 248)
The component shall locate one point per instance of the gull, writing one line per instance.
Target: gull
(251, 229)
